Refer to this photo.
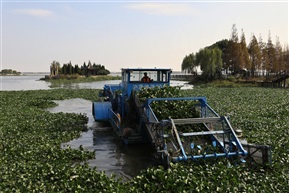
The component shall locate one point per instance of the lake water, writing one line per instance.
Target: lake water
(111, 156)
(33, 82)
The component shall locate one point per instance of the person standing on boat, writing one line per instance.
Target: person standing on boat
(145, 78)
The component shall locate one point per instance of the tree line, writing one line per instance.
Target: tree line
(9, 72)
(234, 57)
(85, 69)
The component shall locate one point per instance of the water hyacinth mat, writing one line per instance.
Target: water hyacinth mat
(31, 159)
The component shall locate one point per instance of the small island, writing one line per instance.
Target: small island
(9, 72)
(69, 73)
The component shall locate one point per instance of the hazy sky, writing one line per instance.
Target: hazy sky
(119, 34)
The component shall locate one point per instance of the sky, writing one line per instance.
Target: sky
(121, 34)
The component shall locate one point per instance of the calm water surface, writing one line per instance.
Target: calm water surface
(33, 82)
(111, 156)
(23, 83)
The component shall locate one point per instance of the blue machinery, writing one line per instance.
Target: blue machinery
(136, 122)
(215, 130)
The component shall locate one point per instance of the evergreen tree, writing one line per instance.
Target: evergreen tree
(279, 56)
(234, 34)
(64, 69)
(244, 52)
(69, 69)
(264, 55)
(89, 64)
(273, 63)
(234, 55)
(286, 58)
(76, 69)
(83, 68)
(255, 55)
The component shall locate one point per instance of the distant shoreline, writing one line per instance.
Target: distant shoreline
(12, 75)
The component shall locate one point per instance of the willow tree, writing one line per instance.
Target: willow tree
(223, 45)
(210, 60)
(189, 63)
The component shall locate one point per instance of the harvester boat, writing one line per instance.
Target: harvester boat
(204, 135)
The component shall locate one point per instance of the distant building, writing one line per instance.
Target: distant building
(54, 71)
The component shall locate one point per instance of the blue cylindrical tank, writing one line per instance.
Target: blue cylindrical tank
(100, 110)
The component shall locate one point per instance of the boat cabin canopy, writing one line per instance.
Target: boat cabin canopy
(156, 75)
(132, 78)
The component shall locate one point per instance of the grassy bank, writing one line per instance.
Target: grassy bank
(31, 159)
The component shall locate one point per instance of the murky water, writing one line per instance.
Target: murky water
(111, 155)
